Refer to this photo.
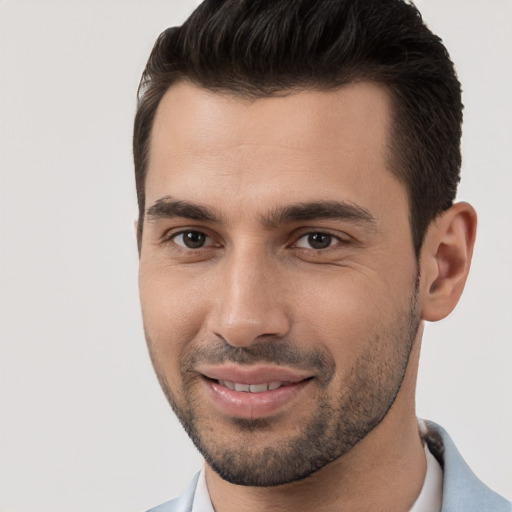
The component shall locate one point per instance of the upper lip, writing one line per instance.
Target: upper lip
(254, 374)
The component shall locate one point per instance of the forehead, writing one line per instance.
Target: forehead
(201, 117)
(296, 142)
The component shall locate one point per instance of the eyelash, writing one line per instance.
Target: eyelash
(173, 236)
(331, 238)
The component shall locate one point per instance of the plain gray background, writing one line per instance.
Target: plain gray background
(83, 423)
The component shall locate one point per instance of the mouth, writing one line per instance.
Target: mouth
(253, 392)
(253, 388)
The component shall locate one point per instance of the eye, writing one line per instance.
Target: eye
(317, 241)
(191, 239)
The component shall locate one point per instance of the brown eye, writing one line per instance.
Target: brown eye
(192, 239)
(317, 241)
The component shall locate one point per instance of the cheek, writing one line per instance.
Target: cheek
(172, 311)
(346, 311)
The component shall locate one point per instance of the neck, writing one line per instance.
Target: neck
(384, 471)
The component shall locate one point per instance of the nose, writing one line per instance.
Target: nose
(249, 302)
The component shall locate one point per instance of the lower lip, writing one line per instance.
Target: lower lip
(240, 404)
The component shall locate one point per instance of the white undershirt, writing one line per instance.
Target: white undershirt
(431, 494)
(429, 499)
(202, 502)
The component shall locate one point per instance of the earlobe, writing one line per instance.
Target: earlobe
(446, 259)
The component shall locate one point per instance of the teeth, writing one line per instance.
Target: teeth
(251, 388)
(258, 388)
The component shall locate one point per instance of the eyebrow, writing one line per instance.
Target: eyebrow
(337, 210)
(168, 208)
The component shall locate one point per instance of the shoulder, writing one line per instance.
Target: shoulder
(181, 504)
(462, 490)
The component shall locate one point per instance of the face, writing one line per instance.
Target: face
(278, 279)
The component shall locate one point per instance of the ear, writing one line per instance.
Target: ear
(445, 260)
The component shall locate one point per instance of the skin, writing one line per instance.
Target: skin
(258, 282)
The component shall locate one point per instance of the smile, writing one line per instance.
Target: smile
(254, 391)
(252, 388)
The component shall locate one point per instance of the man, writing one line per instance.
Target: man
(296, 166)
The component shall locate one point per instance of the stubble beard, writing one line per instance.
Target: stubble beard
(333, 429)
